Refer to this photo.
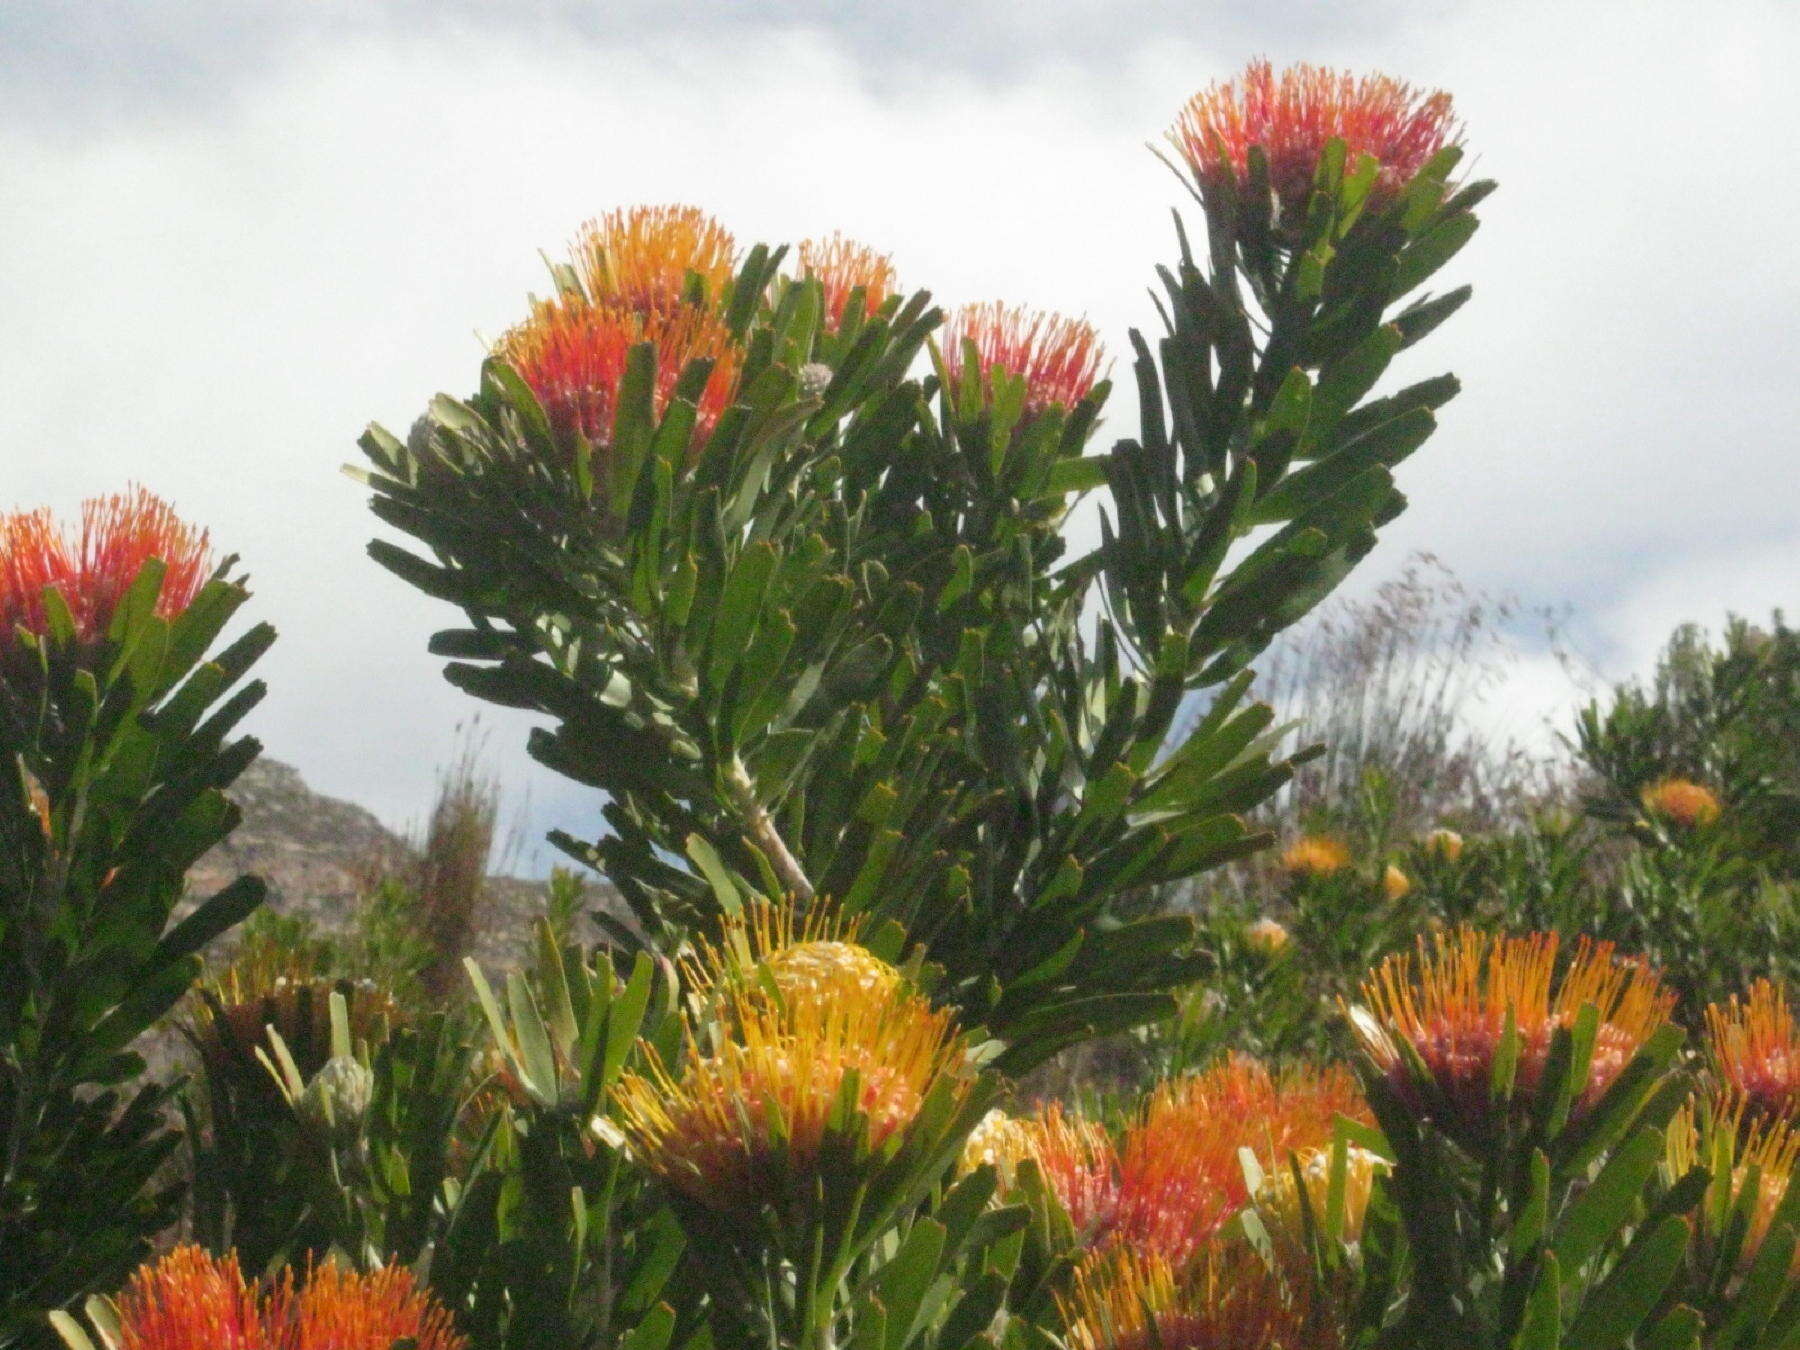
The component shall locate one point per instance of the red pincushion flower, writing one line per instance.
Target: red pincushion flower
(573, 356)
(1058, 357)
(1291, 115)
(841, 266)
(1180, 1176)
(118, 535)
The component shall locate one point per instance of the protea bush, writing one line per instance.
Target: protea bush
(898, 773)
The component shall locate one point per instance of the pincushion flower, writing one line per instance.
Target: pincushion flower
(1755, 1050)
(642, 257)
(573, 356)
(767, 949)
(340, 1309)
(1292, 114)
(842, 267)
(1395, 884)
(189, 1300)
(270, 986)
(1681, 801)
(1279, 1199)
(1267, 936)
(1444, 843)
(1315, 855)
(746, 1114)
(1441, 1011)
(1075, 1156)
(1058, 358)
(1180, 1174)
(1226, 1298)
(1738, 1152)
(93, 569)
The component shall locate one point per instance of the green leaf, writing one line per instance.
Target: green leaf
(1618, 1307)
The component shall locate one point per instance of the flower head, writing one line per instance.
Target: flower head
(641, 258)
(1075, 1156)
(1449, 1003)
(1680, 801)
(1315, 855)
(1226, 1298)
(1738, 1153)
(1755, 1050)
(1058, 358)
(1279, 1199)
(93, 570)
(1180, 1175)
(1292, 114)
(340, 1309)
(189, 1300)
(272, 986)
(573, 355)
(1395, 884)
(842, 267)
(1445, 844)
(1267, 936)
(748, 1111)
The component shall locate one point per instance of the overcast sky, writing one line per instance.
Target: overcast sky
(232, 234)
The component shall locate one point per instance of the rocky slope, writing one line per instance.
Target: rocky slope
(317, 853)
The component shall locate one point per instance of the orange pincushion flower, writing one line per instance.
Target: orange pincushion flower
(1755, 1049)
(118, 535)
(1057, 357)
(339, 1309)
(1682, 802)
(1180, 1176)
(1076, 1157)
(1315, 855)
(573, 356)
(749, 1107)
(1227, 1298)
(842, 266)
(189, 1300)
(640, 258)
(1450, 1000)
(1291, 116)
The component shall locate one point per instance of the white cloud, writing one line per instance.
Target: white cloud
(215, 304)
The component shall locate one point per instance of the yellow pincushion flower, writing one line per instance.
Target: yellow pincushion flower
(1738, 1152)
(1444, 843)
(1395, 884)
(1279, 1198)
(1267, 936)
(849, 1051)
(1315, 855)
(1680, 801)
(1225, 1298)
(1075, 1156)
